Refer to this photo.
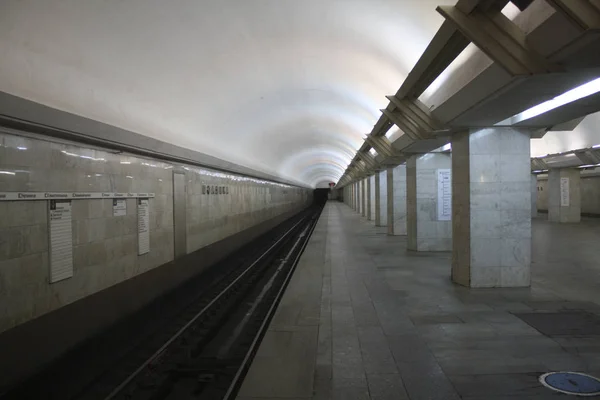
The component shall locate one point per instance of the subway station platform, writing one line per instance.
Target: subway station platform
(363, 318)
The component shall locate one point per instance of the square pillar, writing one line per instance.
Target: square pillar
(382, 198)
(371, 209)
(396, 180)
(491, 208)
(357, 197)
(429, 202)
(564, 195)
(534, 194)
(377, 199)
(363, 197)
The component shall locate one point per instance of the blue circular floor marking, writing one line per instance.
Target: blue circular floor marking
(574, 383)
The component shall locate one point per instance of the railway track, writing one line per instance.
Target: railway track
(208, 356)
(205, 351)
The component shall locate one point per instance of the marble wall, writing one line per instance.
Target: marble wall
(397, 210)
(491, 196)
(383, 198)
(371, 214)
(105, 246)
(590, 194)
(425, 232)
(363, 197)
(534, 196)
(556, 211)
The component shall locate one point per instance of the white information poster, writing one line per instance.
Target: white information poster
(119, 207)
(61, 240)
(444, 177)
(564, 192)
(143, 226)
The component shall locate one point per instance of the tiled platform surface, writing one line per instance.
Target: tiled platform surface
(365, 319)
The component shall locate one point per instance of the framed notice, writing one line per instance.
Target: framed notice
(61, 240)
(444, 200)
(119, 207)
(143, 210)
(564, 192)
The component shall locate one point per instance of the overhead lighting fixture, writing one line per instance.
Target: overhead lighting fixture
(585, 90)
(589, 166)
(447, 147)
(595, 146)
(7, 173)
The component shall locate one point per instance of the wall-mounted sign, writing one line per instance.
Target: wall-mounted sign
(564, 192)
(213, 189)
(444, 201)
(119, 207)
(11, 196)
(61, 240)
(143, 210)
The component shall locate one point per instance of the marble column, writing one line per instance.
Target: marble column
(491, 208)
(396, 200)
(382, 198)
(371, 211)
(357, 197)
(564, 195)
(363, 199)
(428, 204)
(534, 193)
(368, 198)
(377, 199)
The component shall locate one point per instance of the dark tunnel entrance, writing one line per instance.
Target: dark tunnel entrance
(320, 196)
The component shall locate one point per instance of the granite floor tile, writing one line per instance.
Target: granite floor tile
(376, 355)
(386, 387)
(390, 324)
(426, 381)
(435, 319)
(500, 385)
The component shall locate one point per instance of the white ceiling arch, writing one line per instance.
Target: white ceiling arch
(286, 87)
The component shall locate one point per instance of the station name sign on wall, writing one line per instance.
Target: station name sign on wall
(214, 189)
(12, 196)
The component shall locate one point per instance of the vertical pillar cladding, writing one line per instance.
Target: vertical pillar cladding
(383, 195)
(564, 195)
(371, 214)
(368, 198)
(534, 196)
(377, 191)
(363, 199)
(389, 178)
(427, 228)
(398, 220)
(491, 208)
(357, 197)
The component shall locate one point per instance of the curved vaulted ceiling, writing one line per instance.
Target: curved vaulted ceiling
(286, 87)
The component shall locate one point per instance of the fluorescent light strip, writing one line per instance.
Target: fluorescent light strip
(572, 95)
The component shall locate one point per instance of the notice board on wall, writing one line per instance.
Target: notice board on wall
(143, 210)
(564, 192)
(119, 207)
(444, 200)
(61, 240)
